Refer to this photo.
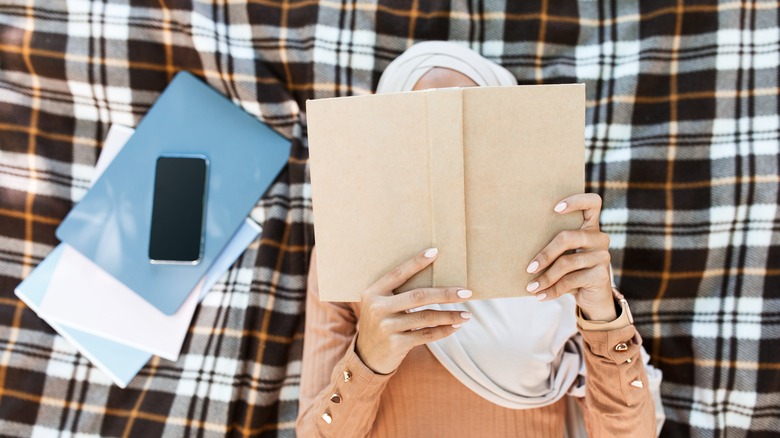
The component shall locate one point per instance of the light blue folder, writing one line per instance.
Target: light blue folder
(111, 224)
(121, 362)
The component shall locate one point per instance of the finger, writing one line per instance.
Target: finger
(571, 282)
(566, 264)
(429, 318)
(567, 240)
(428, 334)
(403, 272)
(588, 203)
(425, 296)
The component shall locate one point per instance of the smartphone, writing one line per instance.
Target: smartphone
(178, 209)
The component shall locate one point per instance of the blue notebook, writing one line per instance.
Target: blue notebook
(111, 224)
(119, 361)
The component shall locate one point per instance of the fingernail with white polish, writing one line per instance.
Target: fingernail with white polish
(465, 315)
(532, 286)
(532, 267)
(541, 296)
(456, 325)
(560, 207)
(431, 253)
(464, 293)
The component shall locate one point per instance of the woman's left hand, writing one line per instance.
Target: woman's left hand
(577, 261)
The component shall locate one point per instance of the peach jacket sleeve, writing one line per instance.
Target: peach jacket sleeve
(339, 395)
(618, 401)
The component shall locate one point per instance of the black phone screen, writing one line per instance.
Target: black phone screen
(177, 212)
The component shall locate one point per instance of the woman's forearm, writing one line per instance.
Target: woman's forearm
(347, 406)
(618, 398)
(339, 395)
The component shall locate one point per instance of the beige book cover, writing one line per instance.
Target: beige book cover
(474, 172)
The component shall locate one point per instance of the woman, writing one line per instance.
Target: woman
(429, 362)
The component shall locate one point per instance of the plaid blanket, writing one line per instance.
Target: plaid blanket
(682, 144)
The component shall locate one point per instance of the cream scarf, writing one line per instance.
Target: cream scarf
(515, 352)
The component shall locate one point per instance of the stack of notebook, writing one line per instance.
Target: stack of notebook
(98, 288)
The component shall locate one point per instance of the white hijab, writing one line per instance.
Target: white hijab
(515, 352)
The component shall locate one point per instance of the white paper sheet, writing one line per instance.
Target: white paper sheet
(85, 297)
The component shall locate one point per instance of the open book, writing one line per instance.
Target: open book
(475, 172)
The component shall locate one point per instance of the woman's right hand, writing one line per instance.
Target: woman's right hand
(387, 332)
